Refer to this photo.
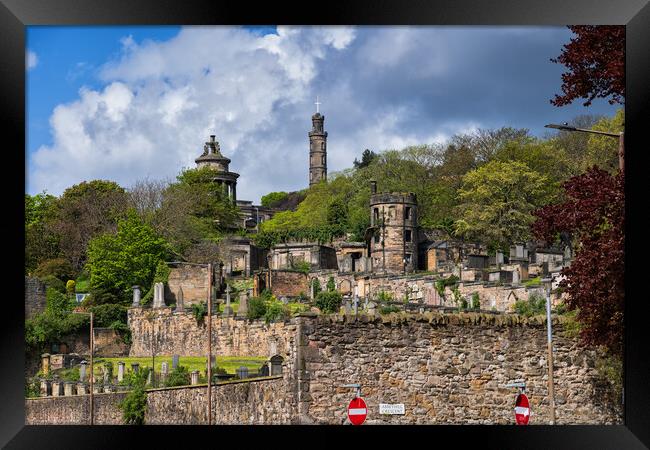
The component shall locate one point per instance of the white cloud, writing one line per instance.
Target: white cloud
(31, 59)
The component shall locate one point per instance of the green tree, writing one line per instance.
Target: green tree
(366, 158)
(603, 150)
(497, 202)
(129, 257)
(40, 242)
(273, 198)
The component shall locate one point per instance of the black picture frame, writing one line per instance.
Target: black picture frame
(15, 15)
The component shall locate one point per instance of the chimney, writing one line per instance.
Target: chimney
(373, 187)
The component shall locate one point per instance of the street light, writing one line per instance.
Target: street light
(620, 136)
(547, 283)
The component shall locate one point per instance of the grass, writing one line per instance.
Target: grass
(533, 282)
(229, 363)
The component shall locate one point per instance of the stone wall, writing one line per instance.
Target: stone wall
(256, 401)
(192, 279)
(445, 369)
(178, 333)
(286, 283)
(34, 296)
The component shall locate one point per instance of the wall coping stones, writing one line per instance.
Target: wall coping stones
(220, 383)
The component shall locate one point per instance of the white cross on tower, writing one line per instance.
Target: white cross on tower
(317, 103)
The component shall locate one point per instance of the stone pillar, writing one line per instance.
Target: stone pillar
(67, 388)
(46, 388)
(194, 377)
(82, 388)
(175, 359)
(45, 363)
(83, 366)
(227, 309)
(164, 370)
(57, 388)
(158, 295)
(136, 296)
(120, 371)
(135, 367)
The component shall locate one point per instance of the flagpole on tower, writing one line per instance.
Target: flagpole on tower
(317, 104)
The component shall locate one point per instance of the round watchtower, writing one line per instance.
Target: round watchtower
(213, 158)
(393, 219)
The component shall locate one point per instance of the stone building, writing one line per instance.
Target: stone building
(394, 229)
(242, 257)
(290, 256)
(317, 150)
(213, 158)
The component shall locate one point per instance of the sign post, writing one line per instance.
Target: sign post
(357, 409)
(522, 407)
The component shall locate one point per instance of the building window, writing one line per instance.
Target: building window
(322, 146)
(407, 235)
(322, 159)
(407, 213)
(376, 216)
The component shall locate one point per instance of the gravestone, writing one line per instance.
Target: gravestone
(347, 307)
(82, 370)
(108, 388)
(356, 304)
(82, 388)
(227, 309)
(194, 377)
(149, 377)
(45, 363)
(57, 388)
(174, 361)
(276, 364)
(158, 295)
(46, 388)
(243, 305)
(136, 296)
(164, 370)
(120, 371)
(67, 388)
(213, 359)
(242, 372)
(499, 257)
(135, 367)
(97, 389)
(180, 304)
(264, 370)
(372, 307)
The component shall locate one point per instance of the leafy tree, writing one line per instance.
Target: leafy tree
(603, 150)
(40, 242)
(535, 305)
(595, 59)
(593, 212)
(256, 308)
(329, 301)
(366, 159)
(134, 404)
(58, 267)
(498, 201)
(84, 211)
(273, 198)
(129, 257)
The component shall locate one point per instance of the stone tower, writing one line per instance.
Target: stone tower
(213, 158)
(317, 150)
(393, 243)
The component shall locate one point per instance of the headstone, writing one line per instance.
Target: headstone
(242, 372)
(120, 371)
(82, 388)
(106, 375)
(149, 377)
(108, 388)
(136, 296)
(499, 258)
(243, 305)
(264, 370)
(276, 364)
(180, 303)
(227, 309)
(347, 307)
(45, 363)
(356, 304)
(67, 388)
(174, 361)
(97, 388)
(194, 377)
(135, 367)
(213, 359)
(158, 295)
(371, 308)
(284, 300)
(164, 370)
(46, 388)
(82, 370)
(57, 388)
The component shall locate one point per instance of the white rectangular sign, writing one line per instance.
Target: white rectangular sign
(386, 408)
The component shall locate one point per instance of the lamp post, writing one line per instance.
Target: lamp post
(547, 282)
(620, 136)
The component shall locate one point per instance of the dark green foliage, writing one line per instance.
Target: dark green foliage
(107, 314)
(134, 404)
(366, 158)
(180, 376)
(302, 266)
(387, 309)
(199, 311)
(56, 302)
(535, 305)
(329, 302)
(276, 311)
(256, 307)
(463, 303)
(53, 282)
(123, 329)
(442, 283)
(50, 326)
(476, 301)
(316, 286)
(331, 284)
(384, 297)
(32, 387)
(58, 267)
(102, 296)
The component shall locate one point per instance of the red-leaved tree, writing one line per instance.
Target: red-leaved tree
(595, 60)
(593, 212)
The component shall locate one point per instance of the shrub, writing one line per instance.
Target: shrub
(302, 266)
(302, 297)
(317, 288)
(180, 376)
(53, 282)
(476, 301)
(388, 309)
(135, 403)
(331, 285)
(384, 297)
(123, 329)
(107, 314)
(276, 311)
(59, 268)
(329, 302)
(536, 304)
(256, 308)
(442, 283)
(199, 311)
(56, 302)
(70, 287)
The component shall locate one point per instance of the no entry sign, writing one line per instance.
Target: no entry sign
(357, 411)
(522, 410)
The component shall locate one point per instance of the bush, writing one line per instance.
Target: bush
(276, 311)
(388, 309)
(536, 304)
(180, 376)
(444, 282)
(384, 297)
(256, 307)
(331, 285)
(135, 403)
(59, 268)
(463, 303)
(199, 311)
(316, 285)
(70, 287)
(56, 302)
(106, 315)
(329, 302)
(302, 266)
(99, 296)
(53, 282)
(476, 301)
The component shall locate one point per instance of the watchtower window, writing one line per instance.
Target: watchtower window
(407, 235)
(322, 146)
(322, 159)
(376, 212)
(407, 213)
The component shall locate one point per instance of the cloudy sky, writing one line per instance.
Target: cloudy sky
(128, 103)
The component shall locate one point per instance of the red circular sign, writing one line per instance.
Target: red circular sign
(357, 411)
(522, 410)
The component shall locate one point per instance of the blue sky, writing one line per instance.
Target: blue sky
(127, 103)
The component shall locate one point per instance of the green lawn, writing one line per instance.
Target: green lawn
(229, 363)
